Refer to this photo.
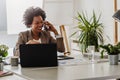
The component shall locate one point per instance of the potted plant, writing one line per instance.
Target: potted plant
(91, 31)
(118, 45)
(112, 51)
(3, 54)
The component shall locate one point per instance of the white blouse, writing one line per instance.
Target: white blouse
(39, 40)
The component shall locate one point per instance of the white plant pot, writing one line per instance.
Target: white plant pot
(113, 59)
(119, 56)
(1, 66)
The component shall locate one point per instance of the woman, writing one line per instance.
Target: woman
(34, 18)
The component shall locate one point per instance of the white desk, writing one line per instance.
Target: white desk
(12, 77)
(81, 71)
(98, 71)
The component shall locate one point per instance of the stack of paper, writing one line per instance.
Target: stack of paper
(5, 73)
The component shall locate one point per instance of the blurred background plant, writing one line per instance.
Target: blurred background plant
(111, 49)
(3, 51)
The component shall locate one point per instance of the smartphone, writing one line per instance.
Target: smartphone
(45, 27)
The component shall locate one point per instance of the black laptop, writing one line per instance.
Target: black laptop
(38, 55)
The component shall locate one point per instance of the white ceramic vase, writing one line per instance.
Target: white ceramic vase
(113, 59)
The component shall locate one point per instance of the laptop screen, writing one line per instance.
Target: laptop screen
(38, 55)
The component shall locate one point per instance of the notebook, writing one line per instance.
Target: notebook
(38, 55)
(5, 73)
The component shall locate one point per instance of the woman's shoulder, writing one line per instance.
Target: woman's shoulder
(24, 32)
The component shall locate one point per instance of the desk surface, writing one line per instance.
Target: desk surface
(78, 69)
(99, 71)
(12, 77)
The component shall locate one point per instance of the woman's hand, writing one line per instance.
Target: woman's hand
(33, 42)
(50, 27)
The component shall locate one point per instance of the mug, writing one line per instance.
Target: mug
(14, 61)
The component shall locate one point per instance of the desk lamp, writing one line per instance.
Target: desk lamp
(116, 16)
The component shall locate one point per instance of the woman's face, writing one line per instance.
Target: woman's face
(37, 24)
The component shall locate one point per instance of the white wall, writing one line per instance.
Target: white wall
(3, 19)
(118, 22)
(105, 7)
(9, 40)
(15, 10)
(60, 12)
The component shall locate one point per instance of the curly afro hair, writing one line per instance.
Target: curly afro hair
(30, 13)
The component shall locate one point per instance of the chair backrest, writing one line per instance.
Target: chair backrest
(63, 33)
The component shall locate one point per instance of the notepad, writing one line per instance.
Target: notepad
(62, 57)
(5, 73)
